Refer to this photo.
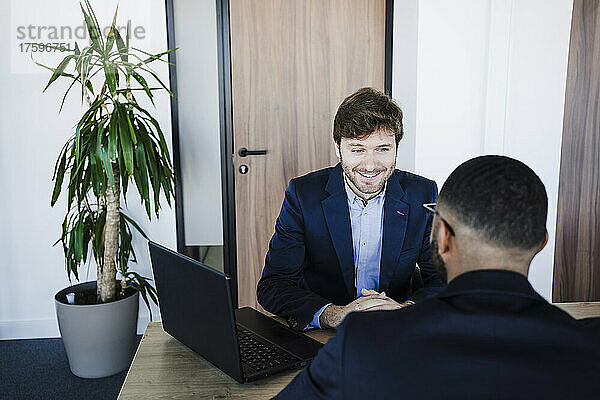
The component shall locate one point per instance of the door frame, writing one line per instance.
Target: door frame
(226, 132)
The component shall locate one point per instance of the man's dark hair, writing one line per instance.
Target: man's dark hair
(501, 198)
(364, 112)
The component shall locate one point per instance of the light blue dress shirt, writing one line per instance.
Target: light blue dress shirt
(367, 233)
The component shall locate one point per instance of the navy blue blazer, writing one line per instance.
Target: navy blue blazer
(310, 261)
(487, 335)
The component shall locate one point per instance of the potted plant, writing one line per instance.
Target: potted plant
(116, 142)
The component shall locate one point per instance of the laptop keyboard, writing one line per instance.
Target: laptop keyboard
(260, 354)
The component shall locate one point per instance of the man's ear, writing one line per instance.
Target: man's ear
(443, 236)
(545, 242)
(337, 149)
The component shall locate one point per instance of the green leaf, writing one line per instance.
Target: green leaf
(110, 39)
(123, 49)
(90, 87)
(131, 130)
(83, 73)
(144, 85)
(143, 286)
(59, 70)
(161, 136)
(93, 29)
(64, 149)
(151, 163)
(158, 80)
(54, 69)
(59, 179)
(135, 225)
(77, 142)
(111, 77)
(78, 238)
(102, 153)
(96, 177)
(85, 183)
(88, 226)
(113, 127)
(98, 239)
(126, 144)
(141, 176)
(153, 57)
(71, 192)
(93, 16)
(125, 245)
(124, 174)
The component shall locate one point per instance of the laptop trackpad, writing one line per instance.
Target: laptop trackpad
(291, 341)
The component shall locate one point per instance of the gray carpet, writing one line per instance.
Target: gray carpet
(39, 369)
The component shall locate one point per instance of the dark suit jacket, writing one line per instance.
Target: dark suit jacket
(488, 335)
(310, 261)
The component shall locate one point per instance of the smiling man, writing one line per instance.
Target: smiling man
(348, 238)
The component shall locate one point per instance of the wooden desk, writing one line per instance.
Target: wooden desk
(581, 309)
(165, 368)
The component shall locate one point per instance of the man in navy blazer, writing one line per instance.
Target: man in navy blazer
(488, 334)
(352, 228)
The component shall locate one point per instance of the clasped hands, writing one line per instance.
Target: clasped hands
(370, 300)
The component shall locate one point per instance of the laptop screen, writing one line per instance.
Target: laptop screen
(196, 309)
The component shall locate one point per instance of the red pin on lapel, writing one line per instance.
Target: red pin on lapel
(400, 213)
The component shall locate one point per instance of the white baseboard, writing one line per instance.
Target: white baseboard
(48, 328)
(29, 329)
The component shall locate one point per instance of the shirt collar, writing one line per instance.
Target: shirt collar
(353, 197)
(485, 281)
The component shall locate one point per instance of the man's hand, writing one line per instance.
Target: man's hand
(370, 300)
(406, 303)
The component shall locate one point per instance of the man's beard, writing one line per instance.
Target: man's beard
(438, 261)
(350, 174)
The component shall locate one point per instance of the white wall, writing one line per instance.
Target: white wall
(31, 135)
(490, 79)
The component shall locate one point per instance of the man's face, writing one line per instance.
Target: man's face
(368, 162)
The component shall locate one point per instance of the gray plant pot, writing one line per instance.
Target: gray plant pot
(100, 339)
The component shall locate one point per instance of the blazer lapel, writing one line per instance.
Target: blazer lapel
(395, 221)
(337, 216)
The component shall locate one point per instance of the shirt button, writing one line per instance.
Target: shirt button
(364, 243)
(365, 213)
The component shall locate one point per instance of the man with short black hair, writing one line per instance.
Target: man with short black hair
(488, 334)
(348, 232)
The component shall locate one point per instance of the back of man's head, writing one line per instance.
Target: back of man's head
(496, 203)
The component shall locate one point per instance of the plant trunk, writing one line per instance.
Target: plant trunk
(107, 280)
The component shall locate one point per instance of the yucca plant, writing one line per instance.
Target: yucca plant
(115, 141)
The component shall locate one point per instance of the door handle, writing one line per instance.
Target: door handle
(243, 152)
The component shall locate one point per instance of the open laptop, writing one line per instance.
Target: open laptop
(196, 309)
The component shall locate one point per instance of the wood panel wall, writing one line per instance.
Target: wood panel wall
(577, 251)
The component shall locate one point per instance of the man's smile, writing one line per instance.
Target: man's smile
(369, 175)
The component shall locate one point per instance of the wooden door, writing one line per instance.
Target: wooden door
(577, 250)
(292, 63)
